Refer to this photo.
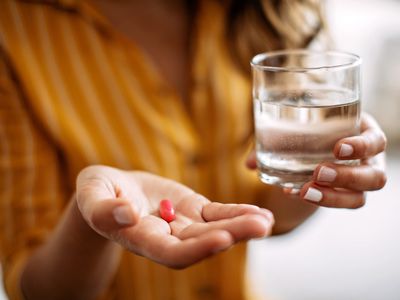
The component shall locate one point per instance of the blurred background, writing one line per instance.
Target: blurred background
(343, 254)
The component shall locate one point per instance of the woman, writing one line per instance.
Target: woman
(157, 86)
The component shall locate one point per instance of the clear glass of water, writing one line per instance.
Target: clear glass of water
(304, 102)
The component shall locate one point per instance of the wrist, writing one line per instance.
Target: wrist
(79, 251)
(82, 228)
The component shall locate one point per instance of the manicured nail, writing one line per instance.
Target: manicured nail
(289, 188)
(123, 215)
(346, 150)
(326, 174)
(313, 195)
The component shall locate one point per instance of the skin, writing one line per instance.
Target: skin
(81, 256)
(348, 189)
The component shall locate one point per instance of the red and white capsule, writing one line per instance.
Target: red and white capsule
(167, 211)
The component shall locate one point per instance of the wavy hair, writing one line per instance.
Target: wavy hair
(255, 26)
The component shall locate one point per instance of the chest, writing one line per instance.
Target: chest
(161, 31)
(102, 101)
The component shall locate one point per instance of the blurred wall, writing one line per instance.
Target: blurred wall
(371, 28)
(341, 254)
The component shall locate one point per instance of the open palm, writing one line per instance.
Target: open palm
(201, 227)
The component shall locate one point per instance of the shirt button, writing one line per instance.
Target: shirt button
(206, 292)
(196, 159)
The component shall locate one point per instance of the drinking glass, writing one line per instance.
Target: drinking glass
(304, 102)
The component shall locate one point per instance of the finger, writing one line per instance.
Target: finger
(371, 142)
(325, 196)
(191, 205)
(192, 250)
(215, 211)
(358, 178)
(378, 161)
(93, 186)
(108, 216)
(243, 227)
(251, 161)
(291, 191)
(152, 238)
(111, 215)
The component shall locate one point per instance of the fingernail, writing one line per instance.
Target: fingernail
(123, 215)
(346, 150)
(220, 249)
(268, 214)
(291, 189)
(313, 195)
(326, 174)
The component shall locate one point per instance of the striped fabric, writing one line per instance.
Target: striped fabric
(75, 92)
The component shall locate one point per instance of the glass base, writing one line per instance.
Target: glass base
(293, 179)
(285, 179)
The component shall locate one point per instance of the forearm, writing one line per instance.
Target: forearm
(75, 263)
(289, 210)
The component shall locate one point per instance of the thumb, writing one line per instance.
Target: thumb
(112, 214)
(99, 201)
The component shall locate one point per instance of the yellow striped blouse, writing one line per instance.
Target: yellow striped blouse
(75, 92)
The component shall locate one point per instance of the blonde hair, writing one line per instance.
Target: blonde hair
(255, 26)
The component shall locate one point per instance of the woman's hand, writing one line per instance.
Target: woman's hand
(123, 206)
(337, 185)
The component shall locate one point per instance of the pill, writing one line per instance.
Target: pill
(167, 211)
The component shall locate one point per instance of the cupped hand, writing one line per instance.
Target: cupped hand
(123, 206)
(343, 186)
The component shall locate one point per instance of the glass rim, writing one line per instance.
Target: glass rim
(256, 60)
